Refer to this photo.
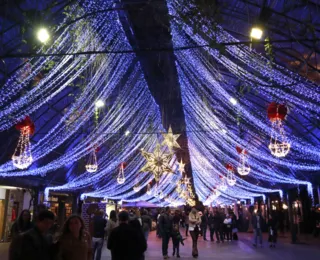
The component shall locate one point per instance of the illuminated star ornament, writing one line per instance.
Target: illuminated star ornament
(170, 140)
(158, 162)
(181, 167)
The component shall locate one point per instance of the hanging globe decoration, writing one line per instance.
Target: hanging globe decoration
(120, 178)
(231, 179)
(22, 156)
(279, 145)
(243, 166)
(158, 162)
(92, 163)
(223, 185)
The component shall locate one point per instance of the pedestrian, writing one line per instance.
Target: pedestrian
(257, 222)
(157, 222)
(146, 224)
(136, 226)
(75, 242)
(211, 225)
(124, 242)
(194, 227)
(112, 222)
(228, 227)
(176, 240)
(137, 216)
(34, 244)
(186, 222)
(204, 225)
(99, 225)
(176, 217)
(218, 226)
(22, 224)
(234, 227)
(273, 230)
(165, 226)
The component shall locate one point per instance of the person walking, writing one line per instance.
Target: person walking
(165, 226)
(124, 241)
(204, 224)
(99, 224)
(75, 242)
(211, 225)
(135, 225)
(218, 226)
(257, 222)
(112, 222)
(146, 224)
(194, 227)
(176, 240)
(186, 222)
(22, 224)
(34, 244)
(273, 231)
(228, 227)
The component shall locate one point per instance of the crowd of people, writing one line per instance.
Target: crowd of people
(126, 232)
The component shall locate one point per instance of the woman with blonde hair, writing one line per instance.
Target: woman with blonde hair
(74, 242)
(194, 228)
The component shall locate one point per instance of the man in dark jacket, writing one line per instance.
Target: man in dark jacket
(218, 226)
(204, 224)
(34, 244)
(124, 242)
(165, 226)
(211, 225)
(99, 224)
(146, 224)
(257, 222)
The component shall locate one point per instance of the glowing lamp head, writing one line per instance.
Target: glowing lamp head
(91, 167)
(256, 33)
(43, 35)
(121, 180)
(99, 104)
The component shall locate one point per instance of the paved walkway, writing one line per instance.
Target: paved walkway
(241, 249)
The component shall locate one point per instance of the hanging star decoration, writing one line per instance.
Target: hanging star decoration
(181, 167)
(158, 162)
(170, 140)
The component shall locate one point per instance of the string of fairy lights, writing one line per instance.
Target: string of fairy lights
(140, 165)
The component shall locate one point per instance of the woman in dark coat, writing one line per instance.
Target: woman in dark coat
(272, 229)
(22, 224)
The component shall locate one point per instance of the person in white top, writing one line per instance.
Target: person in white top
(194, 228)
(228, 227)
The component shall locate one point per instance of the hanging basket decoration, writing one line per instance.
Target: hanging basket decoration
(22, 156)
(137, 187)
(243, 166)
(149, 192)
(121, 178)
(231, 179)
(92, 163)
(279, 145)
(223, 185)
(158, 162)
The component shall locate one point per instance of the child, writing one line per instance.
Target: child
(176, 240)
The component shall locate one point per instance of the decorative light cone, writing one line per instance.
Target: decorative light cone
(92, 163)
(22, 156)
(223, 186)
(231, 179)
(120, 178)
(243, 166)
(149, 192)
(279, 145)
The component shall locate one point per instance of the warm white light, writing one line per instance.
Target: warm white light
(255, 211)
(99, 104)
(233, 101)
(43, 35)
(284, 206)
(238, 202)
(121, 180)
(127, 132)
(91, 167)
(279, 149)
(256, 33)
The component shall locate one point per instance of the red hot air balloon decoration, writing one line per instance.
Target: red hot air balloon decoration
(22, 156)
(279, 145)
